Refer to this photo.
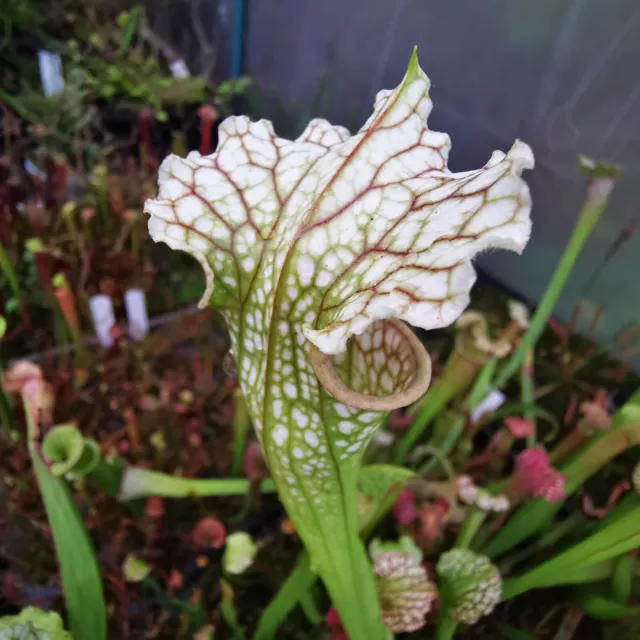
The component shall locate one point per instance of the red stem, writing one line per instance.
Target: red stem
(145, 134)
(205, 136)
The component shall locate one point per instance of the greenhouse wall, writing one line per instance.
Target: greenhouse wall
(561, 76)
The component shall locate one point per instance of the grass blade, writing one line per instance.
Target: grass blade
(620, 537)
(601, 182)
(287, 598)
(602, 608)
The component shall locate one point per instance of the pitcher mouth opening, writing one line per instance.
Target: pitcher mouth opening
(385, 368)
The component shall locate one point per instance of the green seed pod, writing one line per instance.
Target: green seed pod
(470, 585)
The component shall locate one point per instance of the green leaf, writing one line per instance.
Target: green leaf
(577, 564)
(380, 485)
(377, 480)
(129, 30)
(287, 598)
(79, 570)
(602, 608)
(622, 578)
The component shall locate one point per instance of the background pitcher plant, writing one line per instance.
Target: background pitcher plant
(315, 250)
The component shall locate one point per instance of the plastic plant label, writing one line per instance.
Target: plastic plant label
(50, 72)
(103, 318)
(136, 307)
(491, 402)
(179, 69)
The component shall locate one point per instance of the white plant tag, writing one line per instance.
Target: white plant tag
(50, 72)
(136, 306)
(103, 318)
(491, 402)
(32, 170)
(179, 69)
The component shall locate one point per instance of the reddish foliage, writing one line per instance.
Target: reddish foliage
(335, 625)
(432, 517)
(399, 419)
(536, 478)
(404, 508)
(209, 533)
(519, 427)
(253, 463)
(154, 507)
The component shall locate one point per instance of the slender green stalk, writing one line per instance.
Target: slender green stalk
(140, 483)
(309, 607)
(287, 598)
(622, 578)
(437, 399)
(628, 503)
(456, 429)
(437, 457)
(60, 331)
(469, 528)
(228, 610)
(481, 385)
(9, 273)
(562, 529)
(241, 424)
(601, 183)
(458, 375)
(67, 214)
(446, 628)
(527, 394)
(129, 31)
